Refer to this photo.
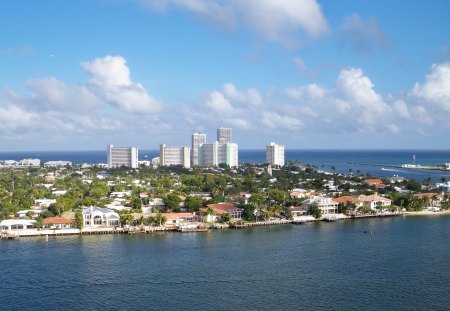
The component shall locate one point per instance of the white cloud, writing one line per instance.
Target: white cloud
(275, 20)
(14, 118)
(110, 77)
(51, 93)
(436, 88)
(250, 96)
(401, 109)
(311, 92)
(276, 121)
(421, 115)
(363, 35)
(217, 102)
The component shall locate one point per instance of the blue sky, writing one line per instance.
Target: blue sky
(304, 73)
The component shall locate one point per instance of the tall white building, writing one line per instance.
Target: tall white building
(198, 139)
(275, 154)
(126, 156)
(224, 135)
(219, 153)
(175, 156)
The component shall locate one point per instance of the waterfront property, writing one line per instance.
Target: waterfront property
(57, 223)
(220, 209)
(325, 204)
(100, 217)
(17, 225)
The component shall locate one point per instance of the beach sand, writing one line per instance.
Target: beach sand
(427, 213)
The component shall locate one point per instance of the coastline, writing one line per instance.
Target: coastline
(427, 213)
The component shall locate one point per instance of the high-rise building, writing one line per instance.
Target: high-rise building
(224, 135)
(198, 139)
(126, 156)
(275, 154)
(175, 156)
(219, 153)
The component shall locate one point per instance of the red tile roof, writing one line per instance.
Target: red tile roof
(57, 221)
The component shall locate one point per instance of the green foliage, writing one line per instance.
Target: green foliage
(172, 202)
(225, 217)
(249, 212)
(315, 211)
(126, 219)
(78, 220)
(193, 203)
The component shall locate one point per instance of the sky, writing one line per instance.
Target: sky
(309, 74)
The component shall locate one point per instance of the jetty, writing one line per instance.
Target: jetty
(239, 225)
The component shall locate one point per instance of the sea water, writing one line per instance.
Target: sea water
(400, 263)
(343, 161)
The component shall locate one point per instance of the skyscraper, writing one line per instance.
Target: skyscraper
(275, 154)
(175, 156)
(224, 135)
(219, 153)
(198, 139)
(126, 156)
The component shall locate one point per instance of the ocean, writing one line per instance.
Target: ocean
(400, 264)
(345, 161)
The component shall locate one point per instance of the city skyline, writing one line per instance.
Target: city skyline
(310, 74)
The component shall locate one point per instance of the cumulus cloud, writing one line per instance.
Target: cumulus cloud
(15, 118)
(274, 120)
(274, 20)
(436, 88)
(110, 77)
(363, 35)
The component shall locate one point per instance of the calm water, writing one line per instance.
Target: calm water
(403, 265)
(343, 160)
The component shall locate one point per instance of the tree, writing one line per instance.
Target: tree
(193, 203)
(225, 217)
(249, 212)
(314, 210)
(172, 201)
(159, 219)
(78, 220)
(126, 219)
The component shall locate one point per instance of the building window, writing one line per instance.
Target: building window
(97, 220)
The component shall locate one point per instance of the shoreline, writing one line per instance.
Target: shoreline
(427, 213)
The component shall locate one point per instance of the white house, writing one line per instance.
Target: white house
(326, 205)
(100, 217)
(17, 225)
(374, 201)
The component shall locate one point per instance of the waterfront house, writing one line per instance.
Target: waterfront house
(433, 199)
(219, 209)
(176, 219)
(100, 217)
(57, 223)
(374, 201)
(298, 211)
(325, 204)
(17, 225)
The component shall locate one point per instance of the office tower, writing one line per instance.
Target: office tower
(175, 156)
(219, 153)
(224, 135)
(275, 154)
(122, 156)
(198, 139)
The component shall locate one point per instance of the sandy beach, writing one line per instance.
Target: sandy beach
(427, 213)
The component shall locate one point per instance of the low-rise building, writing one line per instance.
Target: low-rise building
(57, 223)
(221, 208)
(325, 204)
(100, 217)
